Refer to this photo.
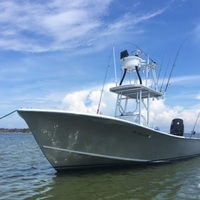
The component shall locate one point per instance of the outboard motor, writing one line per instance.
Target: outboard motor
(177, 127)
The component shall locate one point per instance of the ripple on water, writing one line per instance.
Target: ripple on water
(22, 172)
(26, 174)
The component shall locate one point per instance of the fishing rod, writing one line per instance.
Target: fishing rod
(160, 69)
(177, 54)
(102, 90)
(158, 72)
(193, 131)
(164, 76)
(114, 60)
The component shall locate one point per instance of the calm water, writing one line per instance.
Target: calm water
(26, 174)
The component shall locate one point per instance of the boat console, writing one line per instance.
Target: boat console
(137, 89)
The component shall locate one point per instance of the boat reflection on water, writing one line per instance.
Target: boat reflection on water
(178, 180)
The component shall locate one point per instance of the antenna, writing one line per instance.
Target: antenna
(142, 51)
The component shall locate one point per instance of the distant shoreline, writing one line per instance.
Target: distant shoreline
(15, 130)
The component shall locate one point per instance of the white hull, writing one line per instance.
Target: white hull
(72, 140)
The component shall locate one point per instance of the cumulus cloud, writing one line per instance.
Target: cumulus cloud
(88, 100)
(161, 114)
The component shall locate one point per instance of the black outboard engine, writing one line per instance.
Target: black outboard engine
(177, 127)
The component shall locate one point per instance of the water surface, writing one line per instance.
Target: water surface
(26, 174)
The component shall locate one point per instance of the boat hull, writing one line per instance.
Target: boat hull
(74, 140)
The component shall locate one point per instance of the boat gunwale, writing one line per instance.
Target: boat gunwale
(102, 117)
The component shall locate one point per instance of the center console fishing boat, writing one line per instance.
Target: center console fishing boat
(72, 140)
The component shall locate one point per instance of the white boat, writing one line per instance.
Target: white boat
(77, 140)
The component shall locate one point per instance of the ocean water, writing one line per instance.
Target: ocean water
(26, 174)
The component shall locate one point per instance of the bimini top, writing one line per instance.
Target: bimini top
(131, 91)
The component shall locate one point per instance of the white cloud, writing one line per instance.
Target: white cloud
(184, 79)
(198, 96)
(129, 20)
(88, 100)
(60, 25)
(161, 114)
(34, 26)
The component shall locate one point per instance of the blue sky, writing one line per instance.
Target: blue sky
(54, 53)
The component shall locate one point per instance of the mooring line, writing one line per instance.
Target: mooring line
(8, 114)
